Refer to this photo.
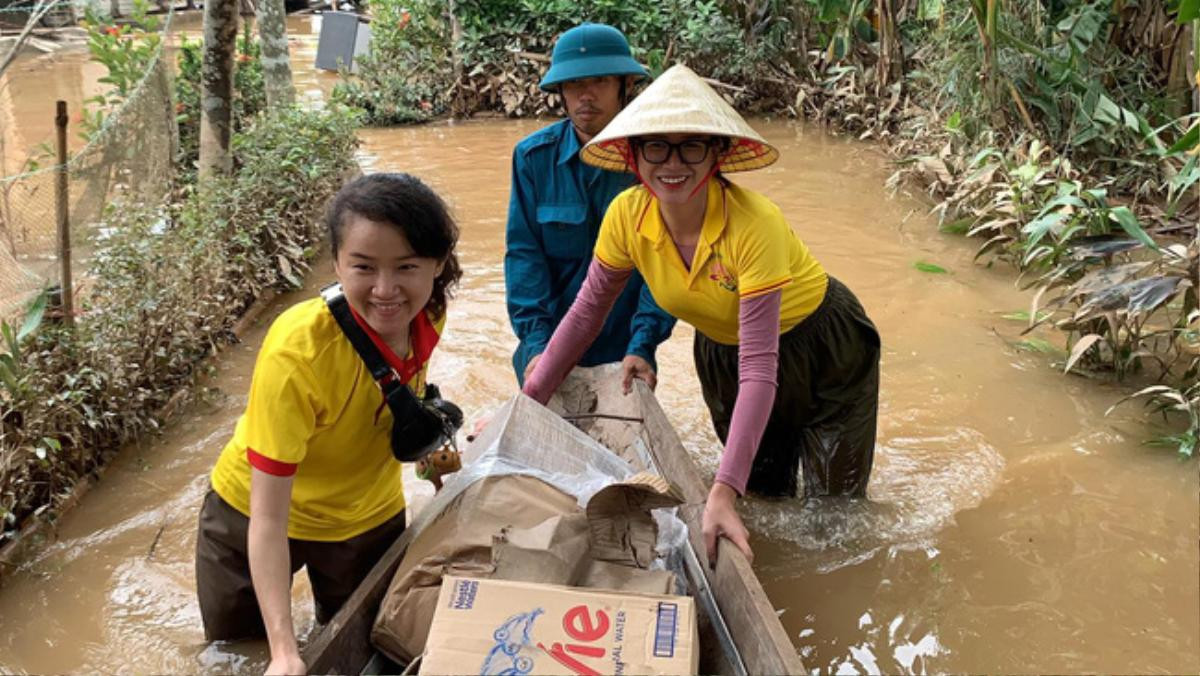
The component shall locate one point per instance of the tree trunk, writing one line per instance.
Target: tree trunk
(1194, 31)
(890, 66)
(276, 66)
(216, 95)
(114, 8)
(456, 63)
(455, 38)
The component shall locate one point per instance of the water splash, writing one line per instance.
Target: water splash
(917, 486)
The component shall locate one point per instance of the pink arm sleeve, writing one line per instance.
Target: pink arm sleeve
(578, 328)
(758, 361)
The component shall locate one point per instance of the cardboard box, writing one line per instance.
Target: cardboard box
(520, 528)
(484, 626)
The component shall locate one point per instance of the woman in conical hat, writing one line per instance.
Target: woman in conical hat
(787, 359)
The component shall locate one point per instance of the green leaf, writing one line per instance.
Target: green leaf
(1037, 345)
(52, 444)
(982, 155)
(1023, 316)
(930, 268)
(1037, 228)
(928, 10)
(954, 122)
(956, 227)
(33, 316)
(1184, 180)
(7, 373)
(1188, 140)
(10, 340)
(1086, 134)
(1188, 11)
(1129, 223)
(1106, 110)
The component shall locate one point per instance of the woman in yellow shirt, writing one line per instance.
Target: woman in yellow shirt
(309, 478)
(788, 360)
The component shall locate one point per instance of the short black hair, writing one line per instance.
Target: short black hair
(404, 202)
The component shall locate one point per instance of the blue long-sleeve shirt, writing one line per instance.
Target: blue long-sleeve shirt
(554, 214)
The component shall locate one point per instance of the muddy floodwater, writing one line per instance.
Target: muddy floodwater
(1012, 527)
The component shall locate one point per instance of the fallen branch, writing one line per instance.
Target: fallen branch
(718, 83)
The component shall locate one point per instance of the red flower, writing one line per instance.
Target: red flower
(405, 17)
(112, 30)
(244, 58)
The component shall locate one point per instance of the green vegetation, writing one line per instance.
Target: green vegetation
(490, 57)
(167, 280)
(128, 51)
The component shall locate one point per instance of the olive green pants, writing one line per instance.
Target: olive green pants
(823, 419)
(228, 605)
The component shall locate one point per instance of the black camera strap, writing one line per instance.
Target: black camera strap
(420, 426)
(385, 376)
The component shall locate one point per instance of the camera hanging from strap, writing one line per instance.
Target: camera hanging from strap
(419, 426)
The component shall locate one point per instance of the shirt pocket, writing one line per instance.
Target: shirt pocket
(565, 230)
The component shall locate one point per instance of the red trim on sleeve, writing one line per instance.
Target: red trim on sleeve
(262, 463)
(768, 288)
(607, 265)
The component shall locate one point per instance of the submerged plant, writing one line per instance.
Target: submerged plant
(1168, 401)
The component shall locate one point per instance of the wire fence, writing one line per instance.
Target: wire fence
(60, 13)
(130, 155)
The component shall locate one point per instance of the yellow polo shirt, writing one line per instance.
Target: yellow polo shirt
(314, 410)
(746, 249)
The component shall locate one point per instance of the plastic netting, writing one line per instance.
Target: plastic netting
(129, 155)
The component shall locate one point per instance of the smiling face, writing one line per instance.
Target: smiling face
(592, 103)
(675, 181)
(384, 280)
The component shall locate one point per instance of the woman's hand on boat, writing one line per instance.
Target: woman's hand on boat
(633, 366)
(721, 520)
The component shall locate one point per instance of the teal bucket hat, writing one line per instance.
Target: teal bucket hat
(590, 50)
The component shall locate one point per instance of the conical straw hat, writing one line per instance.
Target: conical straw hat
(679, 102)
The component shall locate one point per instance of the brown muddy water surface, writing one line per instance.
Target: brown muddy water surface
(1013, 527)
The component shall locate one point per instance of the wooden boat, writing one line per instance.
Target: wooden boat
(740, 631)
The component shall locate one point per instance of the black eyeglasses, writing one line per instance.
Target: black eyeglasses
(691, 151)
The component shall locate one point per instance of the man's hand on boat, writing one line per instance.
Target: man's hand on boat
(633, 366)
(721, 520)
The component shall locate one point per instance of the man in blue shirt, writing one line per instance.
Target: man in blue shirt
(557, 204)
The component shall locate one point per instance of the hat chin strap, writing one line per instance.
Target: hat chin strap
(631, 162)
(708, 177)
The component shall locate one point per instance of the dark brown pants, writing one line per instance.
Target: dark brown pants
(826, 403)
(228, 605)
